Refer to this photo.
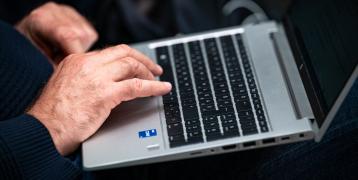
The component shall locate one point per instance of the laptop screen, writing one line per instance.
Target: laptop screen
(326, 32)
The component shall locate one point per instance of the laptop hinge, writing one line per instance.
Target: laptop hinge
(291, 75)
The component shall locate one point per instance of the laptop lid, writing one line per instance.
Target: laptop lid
(324, 40)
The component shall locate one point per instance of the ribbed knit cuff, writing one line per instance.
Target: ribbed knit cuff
(32, 148)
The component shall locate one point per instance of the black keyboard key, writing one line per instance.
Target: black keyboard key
(162, 54)
(171, 112)
(195, 137)
(261, 117)
(259, 111)
(190, 122)
(173, 120)
(227, 116)
(243, 105)
(167, 99)
(231, 130)
(211, 124)
(175, 128)
(210, 119)
(190, 102)
(194, 134)
(207, 109)
(264, 128)
(213, 133)
(193, 128)
(225, 108)
(247, 131)
(228, 121)
(190, 113)
(224, 103)
(176, 140)
(248, 113)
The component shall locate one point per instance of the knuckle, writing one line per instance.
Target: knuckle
(127, 65)
(43, 10)
(50, 4)
(135, 66)
(86, 64)
(127, 94)
(82, 34)
(137, 86)
(94, 35)
(37, 14)
(65, 33)
(125, 48)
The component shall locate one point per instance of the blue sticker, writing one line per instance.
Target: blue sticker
(147, 133)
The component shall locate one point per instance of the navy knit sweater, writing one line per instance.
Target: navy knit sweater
(26, 148)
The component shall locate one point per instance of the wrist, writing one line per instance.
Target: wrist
(56, 130)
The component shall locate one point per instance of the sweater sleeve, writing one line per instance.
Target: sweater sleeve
(27, 152)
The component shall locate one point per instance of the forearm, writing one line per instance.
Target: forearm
(27, 152)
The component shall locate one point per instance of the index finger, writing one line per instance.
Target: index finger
(134, 88)
(122, 51)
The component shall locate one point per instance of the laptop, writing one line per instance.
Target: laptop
(239, 88)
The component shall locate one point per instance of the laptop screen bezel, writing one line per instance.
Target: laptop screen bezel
(309, 80)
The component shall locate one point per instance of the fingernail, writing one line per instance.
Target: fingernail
(168, 85)
(160, 68)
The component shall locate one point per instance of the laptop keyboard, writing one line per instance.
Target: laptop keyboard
(214, 96)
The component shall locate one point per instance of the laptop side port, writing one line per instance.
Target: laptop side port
(268, 141)
(285, 138)
(196, 153)
(249, 144)
(229, 147)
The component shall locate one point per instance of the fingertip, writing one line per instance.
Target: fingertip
(168, 85)
(162, 88)
(159, 69)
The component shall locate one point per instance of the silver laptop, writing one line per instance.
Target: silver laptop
(234, 89)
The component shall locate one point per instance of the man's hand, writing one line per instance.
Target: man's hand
(58, 30)
(85, 88)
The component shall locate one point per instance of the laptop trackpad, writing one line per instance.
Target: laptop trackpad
(132, 130)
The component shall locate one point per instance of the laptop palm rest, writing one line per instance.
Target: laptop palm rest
(133, 130)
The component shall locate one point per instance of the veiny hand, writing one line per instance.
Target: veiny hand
(86, 87)
(58, 30)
